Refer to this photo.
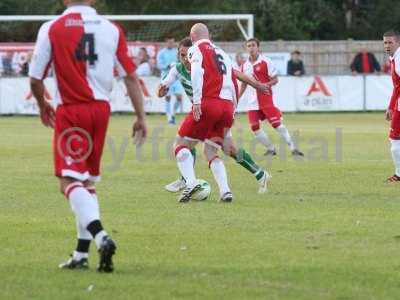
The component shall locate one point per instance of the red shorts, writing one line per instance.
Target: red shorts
(395, 126)
(271, 113)
(79, 136)
(216, 119)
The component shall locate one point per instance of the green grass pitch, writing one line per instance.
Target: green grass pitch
(329, 227)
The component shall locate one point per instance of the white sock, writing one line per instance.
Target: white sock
(218, 169)
(184, 159)
(284, 133)
(395, 149)
(79, 255)
(262, 137)
(99, 238)
(82, 232)
(86, 209)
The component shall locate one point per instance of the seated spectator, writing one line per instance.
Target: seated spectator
(144, 67)
(8, 64)
(365, 62)
(295, 66)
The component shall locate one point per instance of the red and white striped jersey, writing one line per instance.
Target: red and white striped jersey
(395, 69)
(262, 70)
(211, 73)
(83, 48)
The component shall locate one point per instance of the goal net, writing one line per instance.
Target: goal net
(145, 34)
(18, 33)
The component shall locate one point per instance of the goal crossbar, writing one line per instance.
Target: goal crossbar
(249, 33)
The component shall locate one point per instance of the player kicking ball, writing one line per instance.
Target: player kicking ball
(181, 72)
(262, 107)
(83, 65)
(391, 42)
(214, 94)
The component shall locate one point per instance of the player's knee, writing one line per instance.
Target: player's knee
(213, 158)
(64, 183)
(229, 149)
(255, 127)
(210, 152)
(276, 124)
(179, 147)
(395, 148)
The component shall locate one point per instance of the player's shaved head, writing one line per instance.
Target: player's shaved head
(199, 31)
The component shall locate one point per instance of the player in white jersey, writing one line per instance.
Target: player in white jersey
(83, 49)
(261, 106)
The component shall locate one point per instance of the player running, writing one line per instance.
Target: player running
(262, 106)
(181, 72)
(391, 42)
(83, 49)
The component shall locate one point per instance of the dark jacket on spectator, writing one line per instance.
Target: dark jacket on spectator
(293, 66)
(357, 64)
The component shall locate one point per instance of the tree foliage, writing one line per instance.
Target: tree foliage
(274, 19)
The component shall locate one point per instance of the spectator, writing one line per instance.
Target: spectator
(25, 66)
(365, 62)
(295, 66)
(144, 67)
(8, 64)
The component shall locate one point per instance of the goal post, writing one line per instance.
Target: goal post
(246, 30)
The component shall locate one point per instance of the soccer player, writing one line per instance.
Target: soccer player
(391, 42)
(181, 72)
(262, 107)
(83, 48)
(166, 59)
(214, 94)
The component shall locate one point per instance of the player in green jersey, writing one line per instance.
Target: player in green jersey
(181, 72)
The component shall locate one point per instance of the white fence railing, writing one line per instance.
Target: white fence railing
(317, 93)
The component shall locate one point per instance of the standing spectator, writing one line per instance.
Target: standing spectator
(365, 62)
(25, 66)
(167, 58)
(144, 67)
(295, 66)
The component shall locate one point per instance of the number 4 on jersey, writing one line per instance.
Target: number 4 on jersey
(86, 49)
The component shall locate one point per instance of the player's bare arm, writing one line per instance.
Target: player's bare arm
(135, 94)
(47, 113)
(274, 80)
(196, 109)
(251, 81)
(243, 87)
(389, 114)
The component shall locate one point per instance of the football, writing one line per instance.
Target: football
(204, 192)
